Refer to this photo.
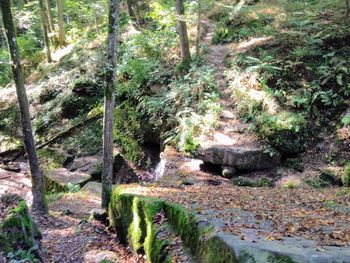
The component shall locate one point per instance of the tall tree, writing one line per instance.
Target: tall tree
(39, 202)
(199, 16)
(49, 14)
(61, 36)
(182, 31)
(113, 20)
(44, 27)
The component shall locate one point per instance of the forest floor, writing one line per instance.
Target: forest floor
(70, 236)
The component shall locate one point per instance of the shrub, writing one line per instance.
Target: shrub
(286, 130)
(346, 176)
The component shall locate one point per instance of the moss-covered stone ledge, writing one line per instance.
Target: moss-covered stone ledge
(17, 229)
(133, 217)
(133, 214)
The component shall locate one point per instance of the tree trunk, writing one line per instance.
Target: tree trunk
(182, 31)
(60, 23)
(39, 202)
(347, 8)
(113, 19)
(44, 26)
(198, 28)
(49, 13)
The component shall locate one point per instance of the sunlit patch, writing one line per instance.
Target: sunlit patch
(60, 53)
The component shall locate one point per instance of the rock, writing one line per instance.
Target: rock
(88, 164)
(240, 157)
(93, 188)
(189, 181)
(59, 179)
(95, 256)
(228, 171)
(17, 229)
(12, 167)
(52, 157)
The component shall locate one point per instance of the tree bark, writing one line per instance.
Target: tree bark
(61, 36)
(113, 19)
(49, 14)
(198, 28)
(347, 8)
(44, 27)
(182, 31)
(39, 202)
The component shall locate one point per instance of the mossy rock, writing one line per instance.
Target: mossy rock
(73, 105)
(133, 218)
(286, 131)
(248, 182)
(47, 95)
(346, 176)
(17, 229)
(52, 158)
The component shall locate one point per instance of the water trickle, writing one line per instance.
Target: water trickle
(160, 168)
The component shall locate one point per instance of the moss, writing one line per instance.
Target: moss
(346, 176)
(18, 230)
(214, 250)
(184, 224)
(54, 187)
(51, 158)
(132, 216)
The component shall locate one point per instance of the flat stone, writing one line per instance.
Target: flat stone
(63, 177)
(95, 256)
(86, 164)
(93, 188)
(291, 250)
(239, 157)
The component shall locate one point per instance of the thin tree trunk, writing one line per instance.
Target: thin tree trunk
(198, 28)
(44, 26)
(61, 36)
(182, 30)
(39, 202)
(96, 23)
(49, 14)
(347, 8)
(113, 19)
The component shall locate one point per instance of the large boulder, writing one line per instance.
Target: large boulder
(242, 158)
(59, 180)
(92, 188)
(87, 164)
(17, 228)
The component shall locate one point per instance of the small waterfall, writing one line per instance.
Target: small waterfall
(160, 168)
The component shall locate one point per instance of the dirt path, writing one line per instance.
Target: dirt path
(231, 131)
(69, 235)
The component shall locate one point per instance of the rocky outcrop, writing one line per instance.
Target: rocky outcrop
(141, 220)
(58, 180)
(17, 228)
(92, 189)
(242, 158)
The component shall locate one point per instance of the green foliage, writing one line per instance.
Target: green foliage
(238, 28)
(22, 256)
(346, 176)
(9, 121)
(248, 182)
(86, 141)
(285, 131)
(346, 119)
(5, 69)
(128, 130)
(73, 188)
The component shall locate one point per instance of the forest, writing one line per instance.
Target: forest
(192, 131)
